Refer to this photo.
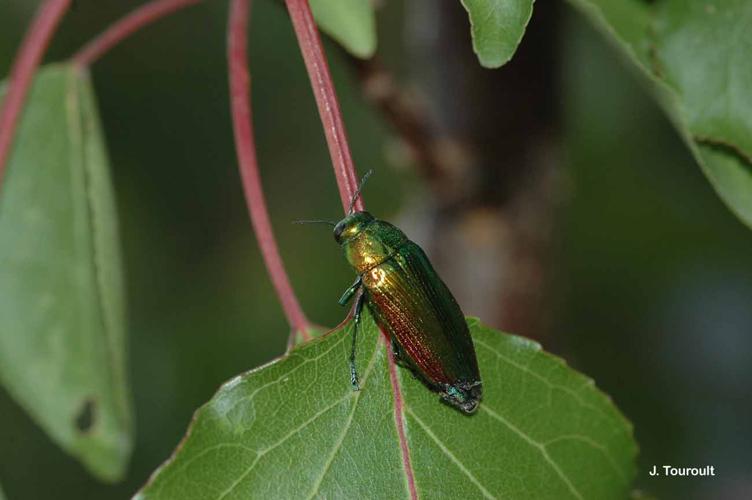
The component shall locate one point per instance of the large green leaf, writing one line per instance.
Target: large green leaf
(294, 428)
(61, 303)
(705, 54)
(351, 22)
(696, 55)
(497, 27)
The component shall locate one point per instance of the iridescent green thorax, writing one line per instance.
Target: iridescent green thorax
(367, 242)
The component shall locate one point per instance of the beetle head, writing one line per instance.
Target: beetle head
(351, 226)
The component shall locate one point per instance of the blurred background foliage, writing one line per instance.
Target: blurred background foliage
(651, 281)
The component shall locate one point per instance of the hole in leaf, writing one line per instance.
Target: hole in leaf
(85, 418)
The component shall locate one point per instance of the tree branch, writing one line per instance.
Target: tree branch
(29, 55)
(237, 58)
(442, 159)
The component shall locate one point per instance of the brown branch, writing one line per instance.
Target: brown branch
(443, 160)
(401, 112)
(237, 58)
(29, 56)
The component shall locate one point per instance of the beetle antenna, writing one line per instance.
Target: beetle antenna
(357, 193)
(317, 221)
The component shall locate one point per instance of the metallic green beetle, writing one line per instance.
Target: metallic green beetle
(412, 305)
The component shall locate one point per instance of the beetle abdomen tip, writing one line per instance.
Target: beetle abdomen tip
(465, 396)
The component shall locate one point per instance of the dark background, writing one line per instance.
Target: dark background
(647, 282)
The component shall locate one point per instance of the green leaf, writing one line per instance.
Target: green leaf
(2, 496)
(705, 55)
(695, 54)
(730, 175)
(497, 27)
(352, 23)
(313, 332)
(294, 428)
(62, 309)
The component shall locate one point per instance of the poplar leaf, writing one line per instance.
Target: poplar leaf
(295, 429)
(62, 355)
(695, 56)
(352, 23)
(497, 27)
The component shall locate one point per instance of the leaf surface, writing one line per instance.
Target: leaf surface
(295, 429)
(352, 23)
(61, 294)
(496, 27)
(695, 54)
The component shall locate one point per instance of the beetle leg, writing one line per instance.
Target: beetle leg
(350, 292)
(358, 312)
(399, 355)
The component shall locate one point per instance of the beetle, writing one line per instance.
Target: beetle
(411, 304)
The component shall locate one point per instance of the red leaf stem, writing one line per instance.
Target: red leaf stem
(326, 99)
(347, 180)
(30, 54)
(126, 26)
(240, 104)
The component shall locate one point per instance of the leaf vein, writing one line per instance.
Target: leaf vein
(261, 453)
(285, 374)
(593, 444)
(451, 456)
(543, 379)
(538, 446)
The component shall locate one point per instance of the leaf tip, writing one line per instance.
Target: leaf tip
(494, 43)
